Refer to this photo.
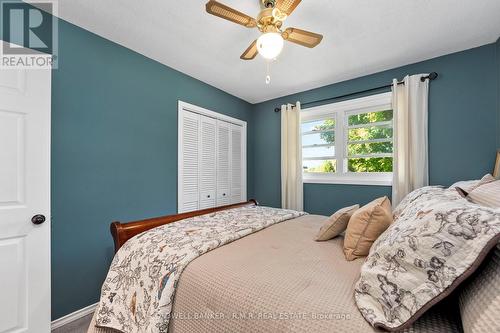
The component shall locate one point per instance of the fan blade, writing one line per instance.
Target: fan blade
(302, 37)
(251, 52)
(228, 13)
(287, 6)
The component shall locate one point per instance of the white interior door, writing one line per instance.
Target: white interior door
(223, 163)
(25, 197)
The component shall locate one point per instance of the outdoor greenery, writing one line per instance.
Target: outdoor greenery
(357, 163)
(325, 166)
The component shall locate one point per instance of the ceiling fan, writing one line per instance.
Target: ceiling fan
(269, 22)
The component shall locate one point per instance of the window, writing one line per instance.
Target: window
(349, 142)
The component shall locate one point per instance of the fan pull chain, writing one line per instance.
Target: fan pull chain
(268, 76)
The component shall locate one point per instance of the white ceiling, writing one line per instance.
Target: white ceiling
(360, 37)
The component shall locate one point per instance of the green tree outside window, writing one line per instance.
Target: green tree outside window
(364, 133)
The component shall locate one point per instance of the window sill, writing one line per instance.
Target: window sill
(374, 181)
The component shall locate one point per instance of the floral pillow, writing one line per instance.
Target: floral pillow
(437, 240)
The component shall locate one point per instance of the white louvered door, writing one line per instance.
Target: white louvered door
(211, 160)
(236, 164)
(208, 164)
(189, 155)
(223, 163)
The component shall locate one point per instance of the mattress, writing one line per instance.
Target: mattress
(277, 280)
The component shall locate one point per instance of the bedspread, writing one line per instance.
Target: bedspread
(138, 292)
(279, 280)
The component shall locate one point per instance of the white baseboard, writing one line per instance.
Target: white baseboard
(73, 316)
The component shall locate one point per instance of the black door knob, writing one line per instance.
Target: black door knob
(38, 219)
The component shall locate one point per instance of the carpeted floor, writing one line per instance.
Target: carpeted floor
(78, 326)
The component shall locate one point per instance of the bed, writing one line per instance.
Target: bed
(277, 279)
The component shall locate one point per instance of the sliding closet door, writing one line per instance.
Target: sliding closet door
(189, 156)
(208, 162)
(223, 163)
(236, 163)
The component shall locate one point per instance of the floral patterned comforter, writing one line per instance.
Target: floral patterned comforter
(437, 239)
(138, 293)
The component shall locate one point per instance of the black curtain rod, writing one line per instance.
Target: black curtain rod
(431, 76)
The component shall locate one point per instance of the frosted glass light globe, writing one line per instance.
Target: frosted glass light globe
(270, 45)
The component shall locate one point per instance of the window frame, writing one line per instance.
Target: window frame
(323, 158)
(341, 111)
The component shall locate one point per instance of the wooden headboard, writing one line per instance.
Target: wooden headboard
(124, 231)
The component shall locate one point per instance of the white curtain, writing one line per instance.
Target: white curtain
(291, 158)
(410, 105)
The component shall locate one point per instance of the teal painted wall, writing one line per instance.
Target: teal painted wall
(114, 144)
(498, 100)
(462, 128)
(114, 152)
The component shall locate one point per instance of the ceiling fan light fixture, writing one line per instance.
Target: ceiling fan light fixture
(270, 45)
(269, 21)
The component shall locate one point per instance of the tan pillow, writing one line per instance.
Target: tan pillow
(364, 227)
(486, 195)
(336, 223)
(488, 178)
(465, 190)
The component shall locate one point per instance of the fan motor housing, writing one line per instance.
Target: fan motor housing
(266, 22)
(268, 3)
